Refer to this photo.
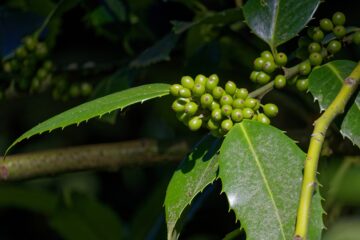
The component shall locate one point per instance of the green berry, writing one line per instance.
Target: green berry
(304, 68)
(183, 117)
(212, 124)
(187, 82)
(237, 115)
(184, 92)
(326, 24)
(86, 89)
(281, 59)
(226, 100)
(214, 105)
(356, 38)
(41, 73)
(270, 109)
(259, 63)
(191, 108)
(253, 76)
(338, 18)
(74, 90)
(178, 105)
(339, 31)
(48, 65)
(218, 92)
(310, 32)
(315, 59)
(238, 103)
(211, 83)
(314, 47)
(21, 52)
(30, 42)
(318, 35)
(334, 46)
(269, 67)
(226, 110)
(230, 87)
(241, 93)
(41, 50)
(250, 102)
(226, 125)
(267, 55)
(200, 79)
(303, 42)
(302, 84)
(198, 90)
(280, 81)
(216, 114)
(263, 118)
(174, 89)
(263, 78)
(7, 67)
(248, 113)
(195, 123)
(206, 100)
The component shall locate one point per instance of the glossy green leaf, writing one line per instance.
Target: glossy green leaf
(277, 21)
(326, 81)
(194, 173)
(118, 8)
(97, 108)
(350, 126)
(261, 173)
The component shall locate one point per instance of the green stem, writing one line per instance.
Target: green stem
(317, 138)
(262, 90)
(48, 19)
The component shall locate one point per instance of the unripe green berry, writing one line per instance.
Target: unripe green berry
(253, 76)
(280, 81)
(326, 24)
(248, 113)
(226, 110)
(263, 78)
(216, 114)
(198, 90)
(41, 73)
(339, 31)
(206, 100)
(302, 84)
(263, 118)
(211, 83)
(241, 93)
(257, 106)
(218, 92)
(200, 79)
(315, 59)
(30, 42)
(48, 65)
(212, 124)
(281, 59)
(310, 32)
(304, 68)
(185, 92)
(86, 89)
(267, 55)
(226, 125)
(270, 109)
(178, 105)
(318, 35)
(174, 89)
(334, 46)
(191, 108)
(21, 52)
(238, 103)
(214, 105)
(338, 18)
(187, 82)
(7, 67)
(314, 47)
(195, 123)
(226, 100)
(259, 63)
(250, 102)
(356, 38)
(183, 117)
(230, 87)
(269, 67)
(237, 115)
(74, 91)
(41, 50)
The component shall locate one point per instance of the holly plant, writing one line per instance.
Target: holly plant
(270, 183)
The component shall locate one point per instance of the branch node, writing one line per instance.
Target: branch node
(297, 237)
(4, 172)
(350, 81)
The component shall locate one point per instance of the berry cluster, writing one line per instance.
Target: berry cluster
(63, 90)
(266, 65)
(202, 103)
(28, 67)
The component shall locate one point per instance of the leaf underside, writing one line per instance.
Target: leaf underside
(350, 126)
(197, 170)
(277, 21)
(97, 108)
(260, 169)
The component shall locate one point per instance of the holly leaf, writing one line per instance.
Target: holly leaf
(277, 21)
(350, 126)
(97, 108)
(326, 81)
(196, 171)
(261, 173)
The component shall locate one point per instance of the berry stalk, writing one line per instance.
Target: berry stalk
(309, 183)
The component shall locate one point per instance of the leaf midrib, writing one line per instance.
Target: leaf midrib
(251, 148)
(274, 21)
(335, 71)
